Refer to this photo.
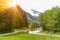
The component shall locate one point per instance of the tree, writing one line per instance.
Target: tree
(12, 18)
(31, 26)
(50, 20)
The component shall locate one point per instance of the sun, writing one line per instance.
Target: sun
(13, 3)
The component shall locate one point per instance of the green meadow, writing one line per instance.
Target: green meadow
(25, 36)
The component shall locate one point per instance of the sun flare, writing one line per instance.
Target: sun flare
(14, 3)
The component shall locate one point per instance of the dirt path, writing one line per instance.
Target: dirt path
(55, 35)
(31, 33)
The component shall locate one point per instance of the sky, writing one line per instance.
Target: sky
(39, 5)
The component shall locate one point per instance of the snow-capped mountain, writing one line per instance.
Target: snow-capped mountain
(35, 12)
(32, 18)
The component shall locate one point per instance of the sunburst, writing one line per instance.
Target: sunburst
(13, 3)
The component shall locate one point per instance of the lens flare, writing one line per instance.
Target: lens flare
(14, 3)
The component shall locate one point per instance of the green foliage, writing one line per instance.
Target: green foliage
(25, 36)
(31, 26)
(50, 19)
(12, 18)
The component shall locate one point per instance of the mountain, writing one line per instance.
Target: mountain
(31, 18)
(13, 17)
(35, 12)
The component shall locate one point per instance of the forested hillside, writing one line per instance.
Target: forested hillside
(50, 19)
(11, 18)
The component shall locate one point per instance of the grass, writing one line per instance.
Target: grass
(25, 36)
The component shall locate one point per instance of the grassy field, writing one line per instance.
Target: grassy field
(25, 36)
